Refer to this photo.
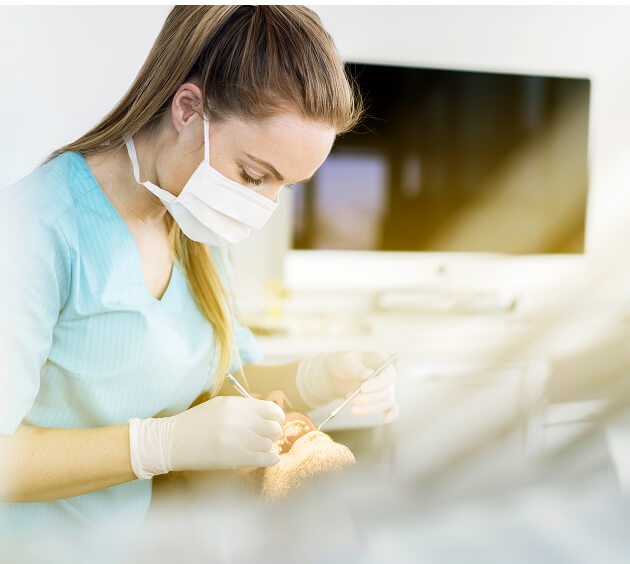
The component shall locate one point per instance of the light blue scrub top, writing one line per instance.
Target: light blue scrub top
(82, 341)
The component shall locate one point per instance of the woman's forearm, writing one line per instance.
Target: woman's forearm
(264, 379)
(41, 464)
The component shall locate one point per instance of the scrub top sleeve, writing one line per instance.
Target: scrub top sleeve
(34, 285)
(246, 344)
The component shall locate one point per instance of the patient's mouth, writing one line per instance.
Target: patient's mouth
(296, 425)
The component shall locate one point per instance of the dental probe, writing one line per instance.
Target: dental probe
(356, 392)
(238, 386)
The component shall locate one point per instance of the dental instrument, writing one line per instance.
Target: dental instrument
(356, 392)
(238, 386)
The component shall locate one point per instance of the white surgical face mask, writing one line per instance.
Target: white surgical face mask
(211, 208)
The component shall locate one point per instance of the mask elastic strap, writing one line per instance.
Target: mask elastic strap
(206, 141)
(133, 157)
(131, 149)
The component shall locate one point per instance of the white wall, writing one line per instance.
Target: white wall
(62, 68)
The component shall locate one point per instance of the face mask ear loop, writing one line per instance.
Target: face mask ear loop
(134, 159)
(206, 141)
(162, 194)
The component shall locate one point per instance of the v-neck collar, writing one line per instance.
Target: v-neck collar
(138, 270)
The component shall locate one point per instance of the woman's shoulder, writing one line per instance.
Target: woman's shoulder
(48, 193)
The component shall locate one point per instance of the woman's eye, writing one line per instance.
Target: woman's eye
(247, 178)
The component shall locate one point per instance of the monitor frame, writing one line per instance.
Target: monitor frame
(369, 270)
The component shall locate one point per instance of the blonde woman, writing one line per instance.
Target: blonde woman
(115, 312)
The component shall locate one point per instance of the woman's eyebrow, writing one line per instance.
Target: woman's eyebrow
(274, 171)
(266, 164)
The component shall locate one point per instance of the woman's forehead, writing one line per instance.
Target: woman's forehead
(294, 146)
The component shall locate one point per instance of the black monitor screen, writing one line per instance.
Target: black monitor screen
(448, 160)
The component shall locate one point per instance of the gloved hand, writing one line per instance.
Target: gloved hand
(224, 432)
(325, 377)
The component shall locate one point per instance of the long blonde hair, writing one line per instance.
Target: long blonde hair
(251, 62)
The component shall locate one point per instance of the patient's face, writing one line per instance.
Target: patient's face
(304, 453)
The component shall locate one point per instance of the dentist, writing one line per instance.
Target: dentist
(115, 310)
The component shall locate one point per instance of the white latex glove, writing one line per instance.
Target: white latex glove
(224, 432)
(325, 377)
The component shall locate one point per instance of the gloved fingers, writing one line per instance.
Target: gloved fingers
(349, 362)
(264, 459)
(380, 382)
(373, 359)
(373, 408)
(369, 398)
(242, 456)
(392, 414)
(265, 428)
(357, 375)
(359, 371)
(269, 410)
(256, 443)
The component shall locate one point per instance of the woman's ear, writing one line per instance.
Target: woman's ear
(186, 105)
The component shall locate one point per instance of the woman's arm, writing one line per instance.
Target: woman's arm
(266, 378)
(41, 464)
